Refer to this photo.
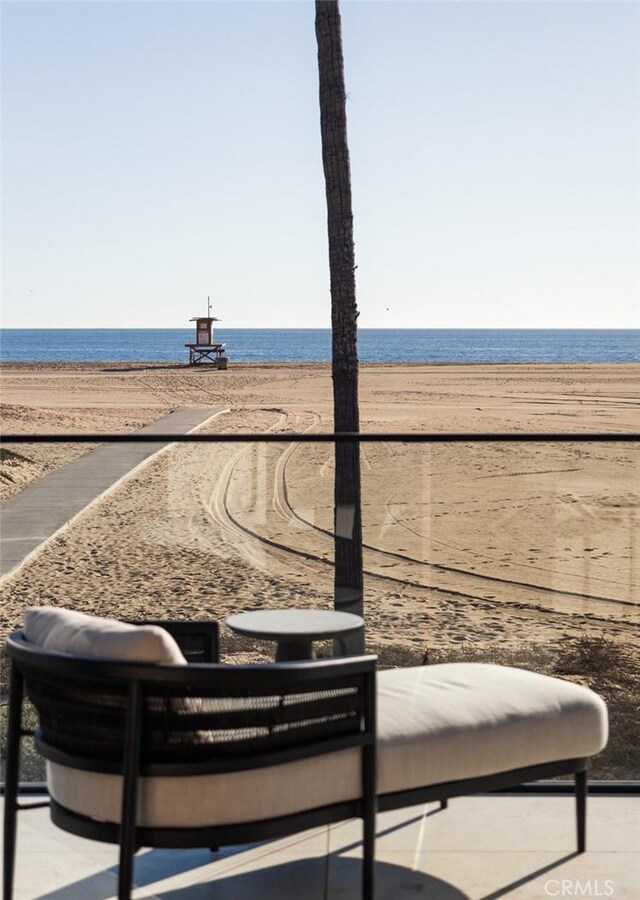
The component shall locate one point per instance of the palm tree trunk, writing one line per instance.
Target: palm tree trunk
(348, 584)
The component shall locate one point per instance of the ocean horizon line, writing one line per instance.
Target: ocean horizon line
(318, 328)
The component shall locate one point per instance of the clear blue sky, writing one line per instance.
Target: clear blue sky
(157, 152)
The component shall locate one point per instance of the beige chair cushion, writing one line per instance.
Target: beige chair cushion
(435, 724)
(73, 632)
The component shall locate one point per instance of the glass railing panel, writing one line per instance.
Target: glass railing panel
(520, 553)
(534, 540)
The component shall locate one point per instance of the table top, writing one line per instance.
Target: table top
(294, 624)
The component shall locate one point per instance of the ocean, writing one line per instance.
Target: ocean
(442, 345)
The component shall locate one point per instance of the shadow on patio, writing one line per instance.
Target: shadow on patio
(481, 848)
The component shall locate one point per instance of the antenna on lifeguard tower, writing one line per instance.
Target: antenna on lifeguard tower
(208, 305)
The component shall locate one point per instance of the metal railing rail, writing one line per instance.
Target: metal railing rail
(325, 437)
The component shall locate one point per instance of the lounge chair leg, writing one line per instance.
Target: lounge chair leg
(12, 774)
(444, 804)
(125, 873)
(581, 810)
(128, 836)
(369, 809)
(368, 856)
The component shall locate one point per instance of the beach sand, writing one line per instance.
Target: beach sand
(484, 544)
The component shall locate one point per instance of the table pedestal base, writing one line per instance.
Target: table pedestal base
(292, 651)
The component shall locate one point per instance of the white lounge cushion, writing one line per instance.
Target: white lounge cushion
(462, 720)
(68, 631)
(435, 724)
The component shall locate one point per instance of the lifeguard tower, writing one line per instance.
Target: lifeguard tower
(206, 349)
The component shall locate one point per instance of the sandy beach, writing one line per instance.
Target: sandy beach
(464, 544)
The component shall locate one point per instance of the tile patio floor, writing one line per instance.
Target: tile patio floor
(480, 847)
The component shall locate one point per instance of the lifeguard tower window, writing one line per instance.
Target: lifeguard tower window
(203, 335)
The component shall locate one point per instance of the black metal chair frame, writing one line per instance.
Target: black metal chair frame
(349, 722)
(135, 681)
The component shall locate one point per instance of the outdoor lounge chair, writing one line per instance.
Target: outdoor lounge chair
(162, 754)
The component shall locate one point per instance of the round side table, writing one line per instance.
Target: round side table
(294, 630)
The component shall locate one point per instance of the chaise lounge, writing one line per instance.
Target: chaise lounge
(145, 749)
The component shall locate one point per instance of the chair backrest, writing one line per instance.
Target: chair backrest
(199, 641)
(183, 720)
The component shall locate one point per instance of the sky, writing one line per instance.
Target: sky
(155, 153)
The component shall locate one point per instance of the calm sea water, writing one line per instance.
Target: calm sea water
(314, 345)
